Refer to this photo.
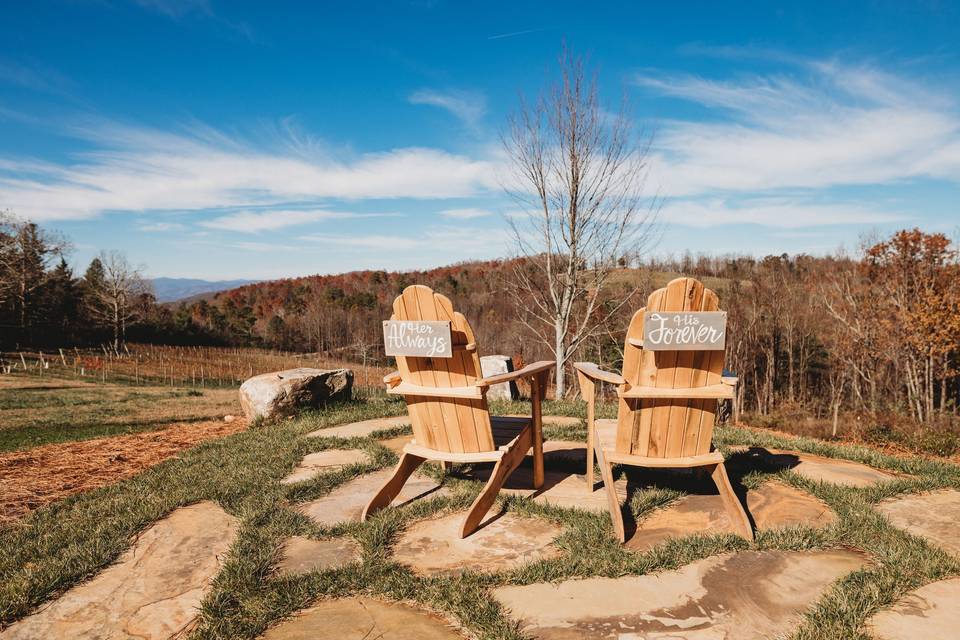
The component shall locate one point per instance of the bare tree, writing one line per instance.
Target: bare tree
(578, 172)
(113, 294)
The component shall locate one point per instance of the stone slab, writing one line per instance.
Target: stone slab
(560, 489)
(360, 429)
(302, 555)
(434, 546)
(153, 591)
(929, 612)
(742, 596)
(328, 460)
(362, 619)
(816, 468)
(934, 516)
(396, 444)
(773, 505)
(346, 502)
(494, 366)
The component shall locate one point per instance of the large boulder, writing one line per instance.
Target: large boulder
(495, 366)
(283, 393)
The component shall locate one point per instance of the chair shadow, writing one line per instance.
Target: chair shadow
(697, 481)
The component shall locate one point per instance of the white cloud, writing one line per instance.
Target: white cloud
(468, 106)
(465, 214)
(827, 125)
(254, 221)
(162, 226)
(781, 212)
(136, 169)
(379, 242)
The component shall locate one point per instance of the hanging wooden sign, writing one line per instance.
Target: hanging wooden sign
(684, 330)
(418, 338)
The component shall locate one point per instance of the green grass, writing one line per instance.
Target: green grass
(36, 411)
(66, 542)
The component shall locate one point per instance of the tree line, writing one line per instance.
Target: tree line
(874, 332)
(44, 303)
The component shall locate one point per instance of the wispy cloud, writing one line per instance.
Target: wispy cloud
(255, 221)
(35, 77)
(523, 32)
(777, 212)
(140, 169)
(465, 214)
(162, 227)
(468, 106)
(379, 242)
(177, 8)
(827, 124)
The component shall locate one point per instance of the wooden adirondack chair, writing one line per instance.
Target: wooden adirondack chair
(446, 398)
(667, 404)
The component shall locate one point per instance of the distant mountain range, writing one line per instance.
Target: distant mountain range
(172, 289)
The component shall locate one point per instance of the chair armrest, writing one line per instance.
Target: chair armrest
(596, 373)
(392, 379)
(527, 372)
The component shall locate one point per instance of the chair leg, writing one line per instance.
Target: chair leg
(501, 471)
(391, 488)
(613, 502)
(738, 516)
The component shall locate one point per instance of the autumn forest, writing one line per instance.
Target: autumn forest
(866, 344)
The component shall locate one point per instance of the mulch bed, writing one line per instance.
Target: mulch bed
(32, 478)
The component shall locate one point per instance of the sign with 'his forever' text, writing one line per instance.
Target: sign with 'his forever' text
(684, 330)
(420, 338)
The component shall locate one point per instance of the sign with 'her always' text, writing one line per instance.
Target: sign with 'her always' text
(684, 330)
(420, 338)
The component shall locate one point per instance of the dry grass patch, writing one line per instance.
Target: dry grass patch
(35, 411)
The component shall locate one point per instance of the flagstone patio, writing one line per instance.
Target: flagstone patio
(434, 546)
(152, 592)
(329, 460)
(360, 429)
(362, 619)
(926, 613)
(773, 505)
(934, 516)
(301, 555)
(741, 596)
(816, 468)
(346, 502)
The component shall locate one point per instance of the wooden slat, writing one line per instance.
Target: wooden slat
(427, 308)
(714, 368)
(411, 301)
(628, 411)
(407, 389)
(657, 462)
(666, 362)
(450, 456)
(419, 416)
(716, 392)
(476, 422)
(683, 376)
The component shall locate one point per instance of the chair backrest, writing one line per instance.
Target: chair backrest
(458, 425)
(669, 428)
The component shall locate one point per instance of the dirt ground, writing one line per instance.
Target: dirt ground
(159, 423)
(35, 477)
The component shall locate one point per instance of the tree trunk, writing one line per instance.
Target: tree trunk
(560, 349)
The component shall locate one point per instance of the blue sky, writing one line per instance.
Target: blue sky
(260, 140)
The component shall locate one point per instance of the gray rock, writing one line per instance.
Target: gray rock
(495, 366)
(283, 393)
